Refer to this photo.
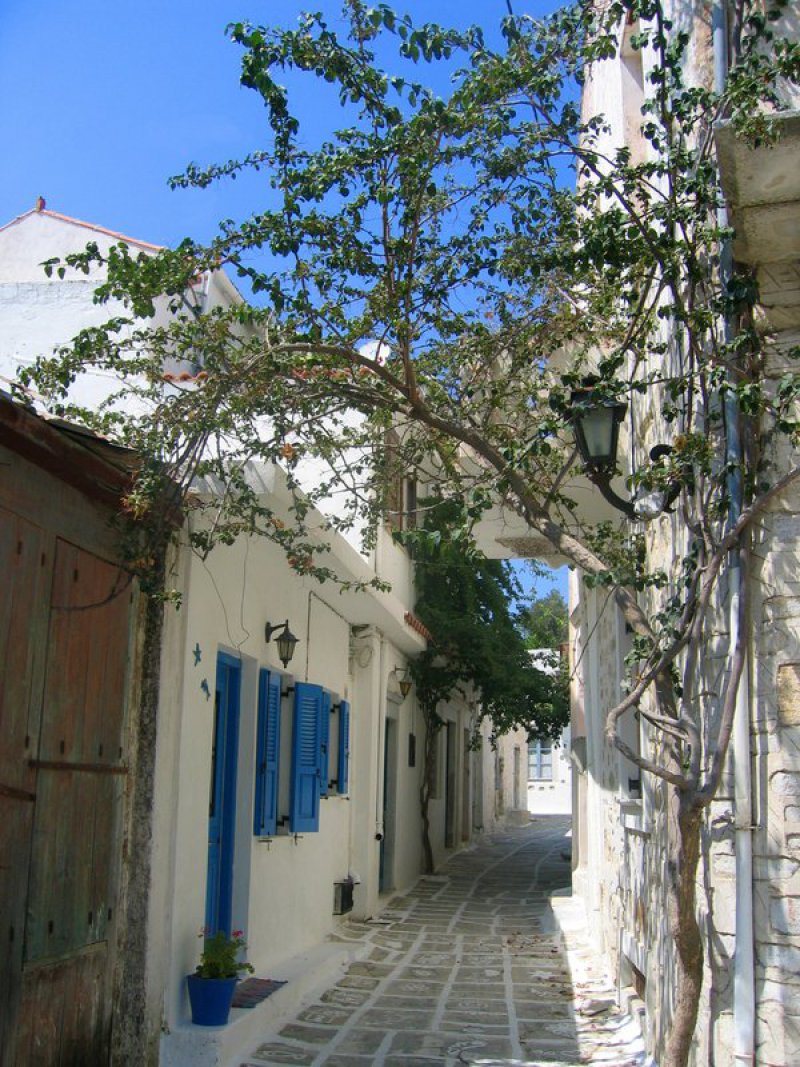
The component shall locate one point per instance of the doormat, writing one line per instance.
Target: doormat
(253, 990)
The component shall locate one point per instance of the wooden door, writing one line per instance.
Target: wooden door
(222, 795)
(25, 567)
(67, 869)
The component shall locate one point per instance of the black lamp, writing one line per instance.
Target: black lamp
(596, 421)
(286, 641)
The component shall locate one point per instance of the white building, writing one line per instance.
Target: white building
(274, 786)
(549, 762)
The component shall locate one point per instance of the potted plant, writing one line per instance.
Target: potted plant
(213, 982)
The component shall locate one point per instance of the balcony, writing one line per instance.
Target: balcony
(762, 187)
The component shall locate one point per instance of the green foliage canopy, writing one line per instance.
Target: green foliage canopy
(467, 602)
(545, 621)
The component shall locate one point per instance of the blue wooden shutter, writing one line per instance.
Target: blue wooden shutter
(344, 747)
(304, 806)
(324, 741)
(265, 821)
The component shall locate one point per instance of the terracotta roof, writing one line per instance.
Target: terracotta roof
(86, 225)
(418, 625)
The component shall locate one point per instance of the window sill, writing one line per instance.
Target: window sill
(633, 815)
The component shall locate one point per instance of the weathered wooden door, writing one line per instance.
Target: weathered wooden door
(62, 716)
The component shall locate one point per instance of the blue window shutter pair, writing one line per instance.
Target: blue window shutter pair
(268, 747)
(310, 754)
(306, 758)
(343, 770)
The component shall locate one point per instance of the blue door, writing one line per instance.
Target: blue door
(222, 794)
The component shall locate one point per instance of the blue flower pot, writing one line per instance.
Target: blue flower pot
(210, 999)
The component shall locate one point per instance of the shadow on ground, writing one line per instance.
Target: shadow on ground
(485, 963)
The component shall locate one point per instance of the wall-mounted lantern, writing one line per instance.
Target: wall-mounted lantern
(286, 641)
(596, 421)
(402, 676)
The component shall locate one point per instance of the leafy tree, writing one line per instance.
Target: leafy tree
(428, 268)
(545, 621)
(478, 648)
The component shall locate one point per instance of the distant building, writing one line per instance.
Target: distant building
(549, 766)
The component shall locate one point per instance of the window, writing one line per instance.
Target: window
(343, 763)
(265, 818)
(401, 489)
(307, 758)
(540, 761)
(309, 749)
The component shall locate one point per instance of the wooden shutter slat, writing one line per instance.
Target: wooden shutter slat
(343, 769)
(265, 820)
(324, 741)
(304, 808)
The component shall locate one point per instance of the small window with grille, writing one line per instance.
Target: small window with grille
(540, 761)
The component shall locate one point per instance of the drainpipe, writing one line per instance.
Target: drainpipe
(379, 828)
(744, 961)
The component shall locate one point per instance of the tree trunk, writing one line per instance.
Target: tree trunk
(136, 1037)
(683, 857)
(426, 790)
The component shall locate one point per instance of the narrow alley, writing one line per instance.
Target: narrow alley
(485, 962)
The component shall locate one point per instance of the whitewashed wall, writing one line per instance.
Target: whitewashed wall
(349, 643)
(618, 829)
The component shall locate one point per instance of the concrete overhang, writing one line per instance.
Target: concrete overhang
(504, 534)
(762, 187)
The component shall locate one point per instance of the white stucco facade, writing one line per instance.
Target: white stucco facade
(350, 644)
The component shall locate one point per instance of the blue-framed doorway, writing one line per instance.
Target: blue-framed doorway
(222, 793)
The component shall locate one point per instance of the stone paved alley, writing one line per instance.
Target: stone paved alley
(484, 963)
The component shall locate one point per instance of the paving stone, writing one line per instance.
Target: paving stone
(395, 941)
(325, 1015)
(369, 969)
(345, 998)
(360, 1042)
(464, 1022)
(358, 981)
(426, 974)
(444, 1045)
(397, 1019)
(543, 1009)
(387, 1002)
(481, 1005)
(435, 959)
(379, 955)
(274, 1052)
(480, 974)
(413, 987)
(309, 1035)
(475, 988)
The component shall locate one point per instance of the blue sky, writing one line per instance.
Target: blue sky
(105, 99)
